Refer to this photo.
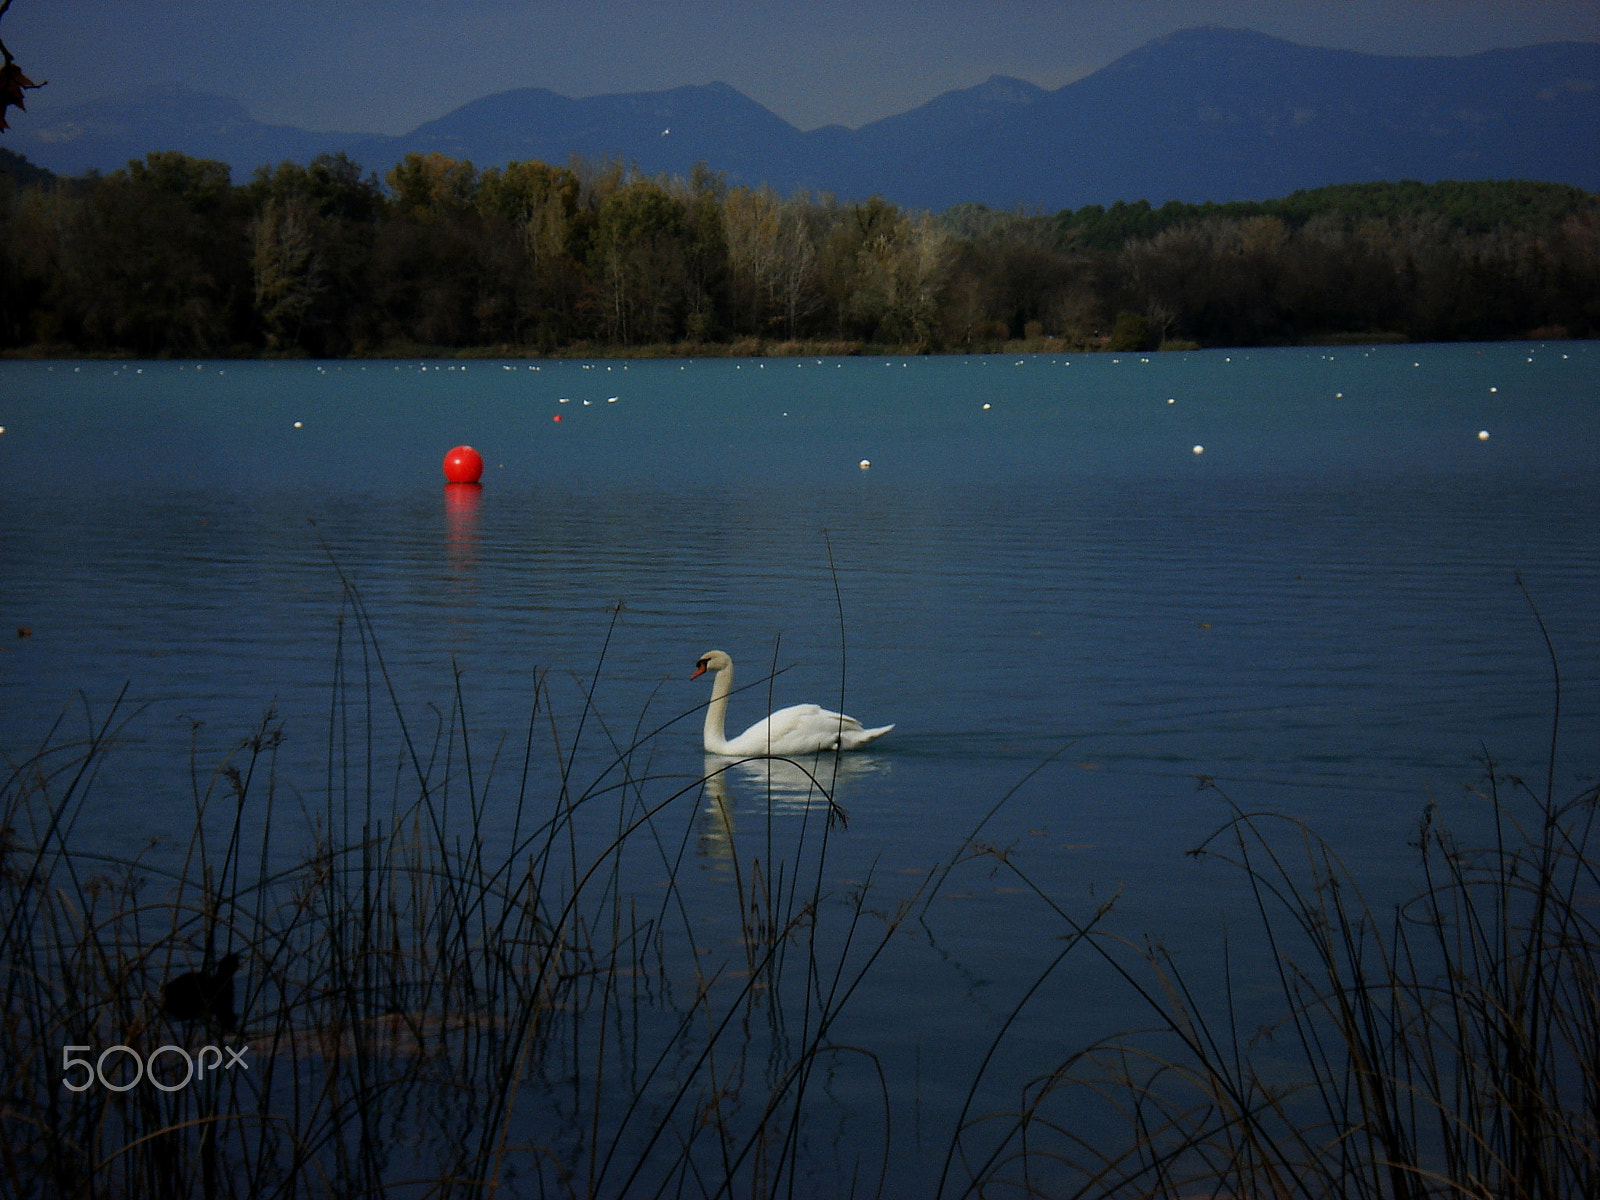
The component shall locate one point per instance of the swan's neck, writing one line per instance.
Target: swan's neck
(715, 740)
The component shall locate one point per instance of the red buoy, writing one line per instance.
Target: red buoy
(463, 465)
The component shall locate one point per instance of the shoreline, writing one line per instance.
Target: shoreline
(761, 348)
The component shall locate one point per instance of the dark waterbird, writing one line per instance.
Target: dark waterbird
(202, 995)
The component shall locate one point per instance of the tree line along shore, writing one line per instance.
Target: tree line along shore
(168, 257)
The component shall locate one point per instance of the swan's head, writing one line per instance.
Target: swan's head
(711, 660)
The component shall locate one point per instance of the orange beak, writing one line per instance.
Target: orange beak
(698, 671)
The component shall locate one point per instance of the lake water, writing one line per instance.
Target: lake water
(1319, 611)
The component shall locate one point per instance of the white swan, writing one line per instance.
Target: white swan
(800, 729)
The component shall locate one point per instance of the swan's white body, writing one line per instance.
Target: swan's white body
(799, 729)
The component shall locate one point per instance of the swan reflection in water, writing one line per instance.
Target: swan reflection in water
(784, 787)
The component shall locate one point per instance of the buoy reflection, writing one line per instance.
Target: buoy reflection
(461, 524)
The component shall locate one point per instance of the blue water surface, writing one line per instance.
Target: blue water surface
(1294, 572)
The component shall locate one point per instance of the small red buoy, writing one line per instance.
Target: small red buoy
(557, 417)
(463, 465)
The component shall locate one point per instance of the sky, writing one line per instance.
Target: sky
(383, 67)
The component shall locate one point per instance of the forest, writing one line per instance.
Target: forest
(168, 256)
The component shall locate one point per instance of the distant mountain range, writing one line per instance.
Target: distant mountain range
(1202, 114)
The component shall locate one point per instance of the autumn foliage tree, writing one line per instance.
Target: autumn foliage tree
(312, 245)
(153, 259)
(169, 256)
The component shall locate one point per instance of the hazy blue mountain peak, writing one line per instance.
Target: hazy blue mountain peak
(1207, 113)
(1008, 88)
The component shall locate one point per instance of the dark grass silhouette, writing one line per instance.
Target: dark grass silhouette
(436, 1008)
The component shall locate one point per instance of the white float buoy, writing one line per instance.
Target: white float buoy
(864, 463)
(985, 406)
(1483, 435)
(1199, 449)
(297, 424)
